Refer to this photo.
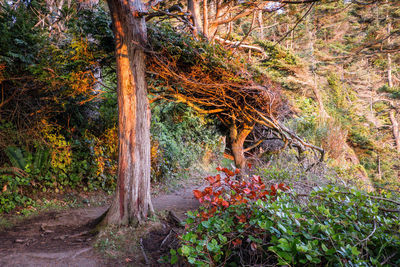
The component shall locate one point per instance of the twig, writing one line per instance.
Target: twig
(144, 253)
(238, 44)
(297, 23)
(165, 239)
(373, 231)
(388, 258)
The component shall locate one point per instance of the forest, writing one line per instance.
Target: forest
(199, 133)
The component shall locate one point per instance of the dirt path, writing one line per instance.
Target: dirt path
(65, 238)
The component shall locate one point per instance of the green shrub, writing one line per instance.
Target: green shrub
(279, 61)
(180, 138)
(333, 227)
(11, 191)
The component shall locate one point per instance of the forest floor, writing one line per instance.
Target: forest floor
(67, 238)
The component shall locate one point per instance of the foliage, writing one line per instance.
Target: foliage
(334, 226)
(20, 39)
(180, 138)
(11, 194)
(394, 92)
(279, 59)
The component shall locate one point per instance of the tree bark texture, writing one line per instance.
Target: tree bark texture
(205, 19)
(194, 9)
(132, 202)
(260, 21)
(389, 57)
(395, 124)
(237, 138)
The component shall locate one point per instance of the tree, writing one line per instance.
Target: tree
(132, 201)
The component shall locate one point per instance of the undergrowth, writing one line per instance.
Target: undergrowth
(245, 223)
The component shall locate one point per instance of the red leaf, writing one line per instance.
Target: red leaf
(283, 187)
(274, 187)
(210, 179)
(249, 165)
(247, 191)
(225, 203)
(253, 246)
(237, 242)
(256, 179)
(217, 193)
(237, 171)
(242, 218)
(207, 190)
(198, 194)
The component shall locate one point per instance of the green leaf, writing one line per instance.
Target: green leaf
(172, 251)
(280, 226)
(186, 250)
(301, 248)
(174, 259)
(355, 251)
(206, 224)
(222, 238)
(284, 244)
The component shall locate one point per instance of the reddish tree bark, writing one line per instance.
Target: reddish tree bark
(132, 202)
(194, 9)
(237, 138)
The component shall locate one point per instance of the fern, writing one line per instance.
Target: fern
(16, 157)
(41, 160)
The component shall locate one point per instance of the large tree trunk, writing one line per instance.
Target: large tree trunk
(194, 9)
(132, 201)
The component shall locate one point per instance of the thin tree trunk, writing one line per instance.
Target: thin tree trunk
(237, 138)
(261, 24)
(389, 57)
(389, 71)
(311, 39)
(132, 202)
(395, 124)
(205, 19)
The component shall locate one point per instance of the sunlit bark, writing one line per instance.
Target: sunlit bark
(132, 202)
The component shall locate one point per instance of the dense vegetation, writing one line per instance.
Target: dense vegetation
(316, 81)
(251, 223)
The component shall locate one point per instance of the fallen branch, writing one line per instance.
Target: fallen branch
(240, 45)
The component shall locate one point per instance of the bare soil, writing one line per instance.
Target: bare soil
(66, 238)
